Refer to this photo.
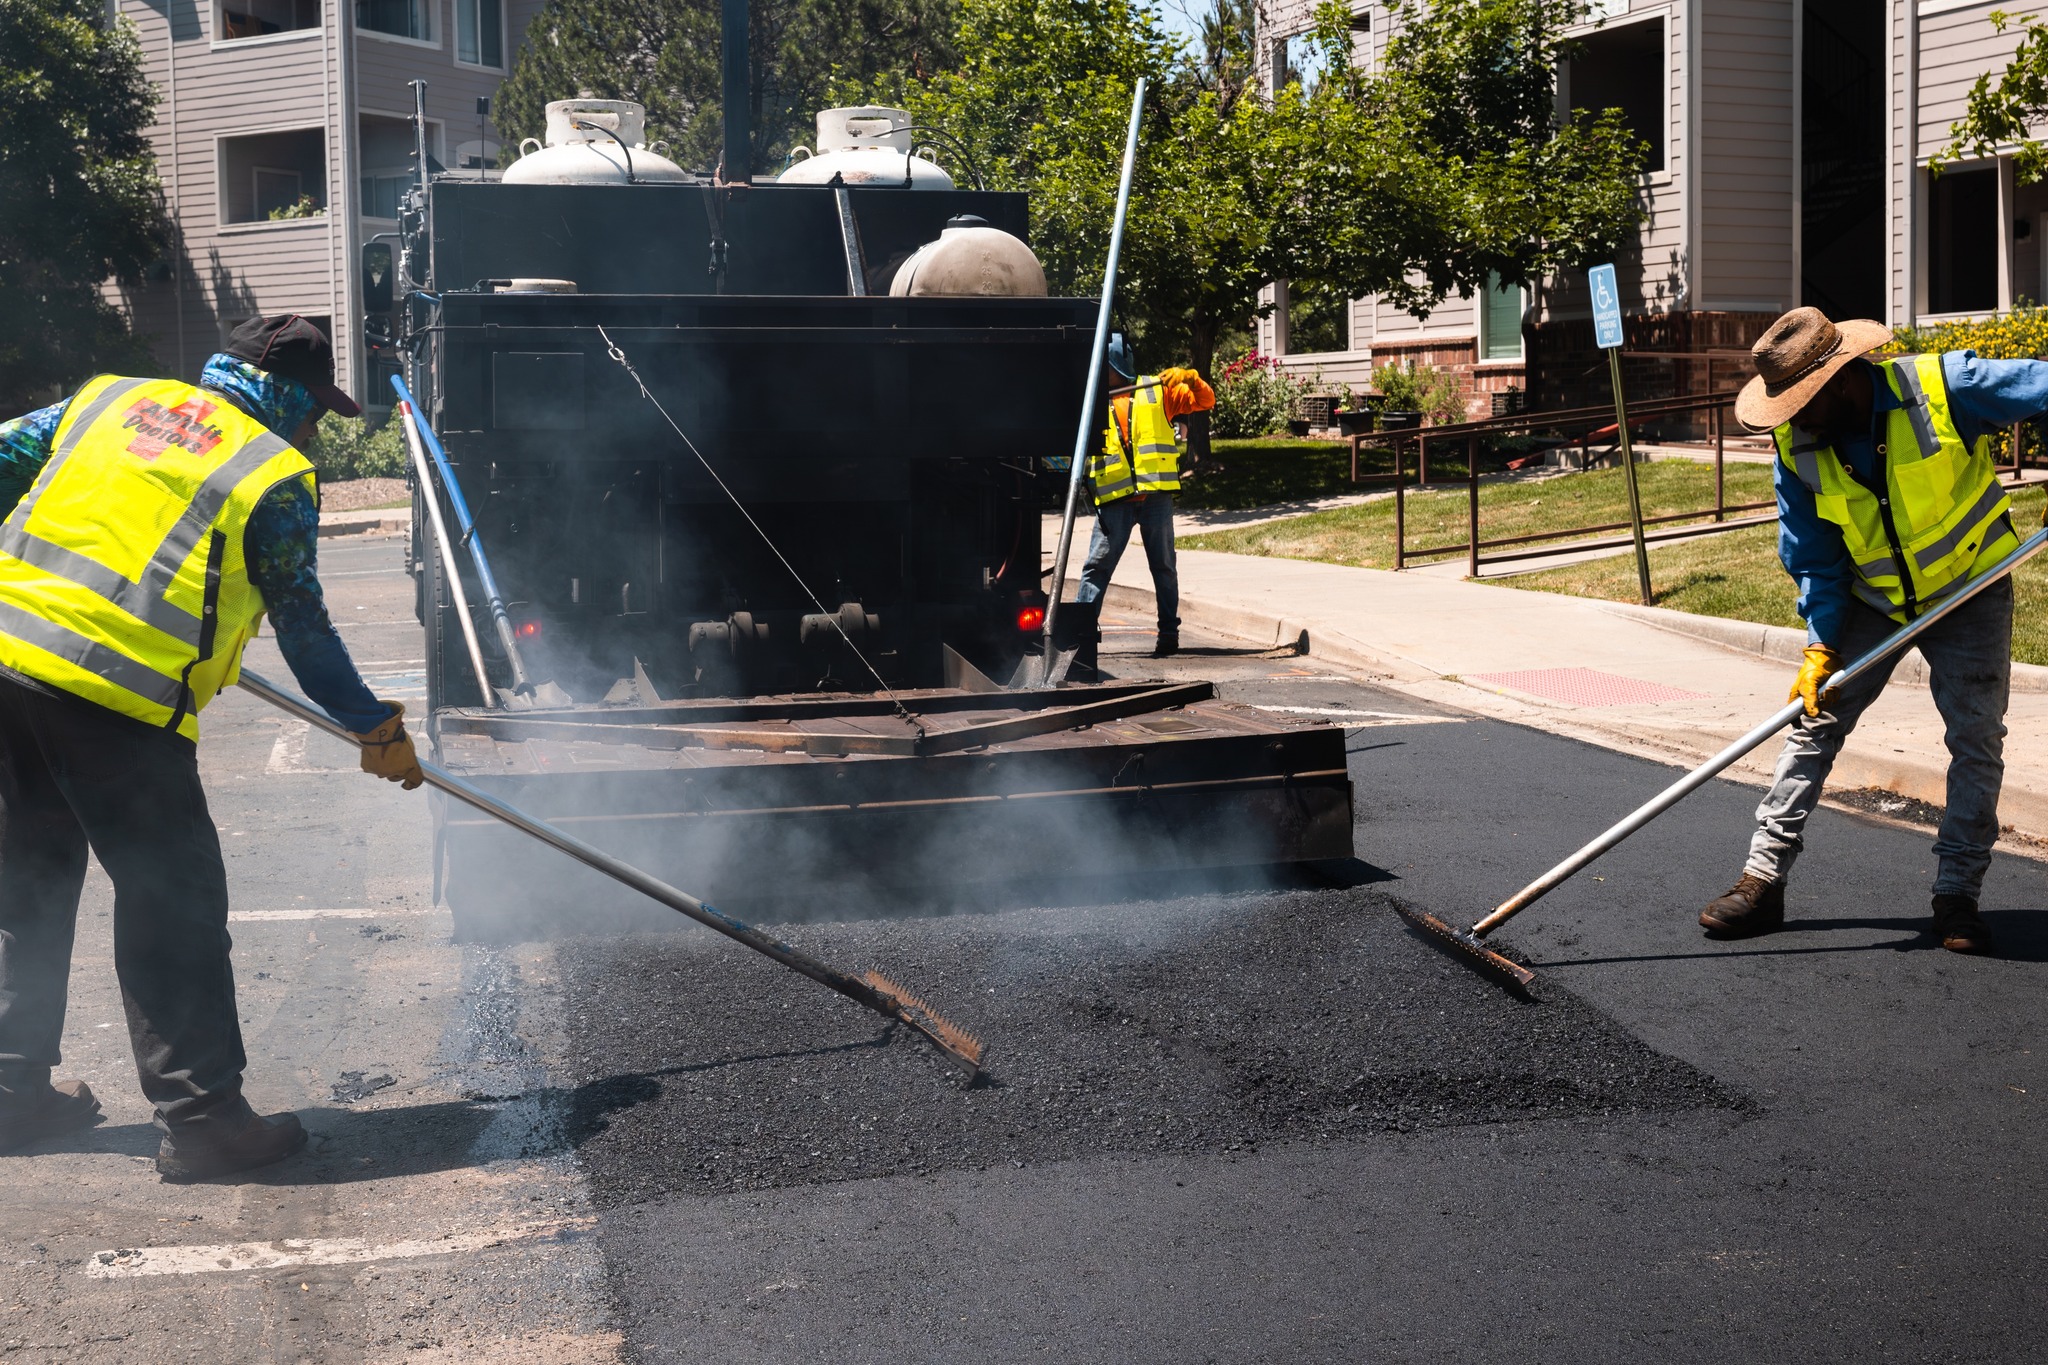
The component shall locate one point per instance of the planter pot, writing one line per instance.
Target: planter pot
(1352, 422)
(1298, 427)
(1393, 419)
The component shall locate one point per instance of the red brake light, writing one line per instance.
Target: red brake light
(529, 629)
(1030, 618)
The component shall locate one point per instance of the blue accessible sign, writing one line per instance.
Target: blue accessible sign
(1606, 307)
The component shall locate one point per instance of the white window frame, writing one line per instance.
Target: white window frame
(435, 28)
(1480, 337)
(504, 37)
(220, 180)
(216, 43)
(1625, 19)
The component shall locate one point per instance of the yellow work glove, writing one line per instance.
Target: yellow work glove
(1819, 664)
(387, 750)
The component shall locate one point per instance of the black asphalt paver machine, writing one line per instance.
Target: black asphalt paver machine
(761, 478)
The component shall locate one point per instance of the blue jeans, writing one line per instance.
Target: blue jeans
(1152, 515)
(1969, 666)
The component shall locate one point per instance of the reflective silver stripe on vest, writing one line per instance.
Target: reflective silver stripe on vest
(92, 412)
(1884, 566)
(91, 655)
(1104, 492)
(1915, 405)
(1872, 597)
(1986, 503)
(145, 600)
(1807, 463)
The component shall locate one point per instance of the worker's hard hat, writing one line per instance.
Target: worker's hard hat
(1120, 358)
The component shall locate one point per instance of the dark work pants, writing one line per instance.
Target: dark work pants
(73, 774)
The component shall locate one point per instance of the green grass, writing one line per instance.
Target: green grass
(1260, 471)
(1737, 575)
(1364, 535)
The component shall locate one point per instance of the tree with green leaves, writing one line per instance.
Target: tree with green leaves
(665, 55)
(1443, 169)
(2006, 113)
(79, 201)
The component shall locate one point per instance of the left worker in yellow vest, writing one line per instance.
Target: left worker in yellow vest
(150, 524)
(1134, 477)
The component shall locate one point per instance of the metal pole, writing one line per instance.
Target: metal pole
(1671, 795)
(1089, 398)
(445, 549)
(467, 526)
(1400, 509)
(1720, 464)
(1472, 507)
(736, 93)
(1421, 461)
(862, 991)
(1628, 464)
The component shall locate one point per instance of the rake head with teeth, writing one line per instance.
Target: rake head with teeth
(956, 1042)
(1468, 948)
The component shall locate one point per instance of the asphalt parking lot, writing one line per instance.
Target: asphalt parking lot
(1244, 1119)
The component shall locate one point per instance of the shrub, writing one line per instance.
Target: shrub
(1434, 393)
(346, 448)
(1254, 396)
(2020, 335)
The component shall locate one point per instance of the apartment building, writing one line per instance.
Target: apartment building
(1790, 146)
(284, 140)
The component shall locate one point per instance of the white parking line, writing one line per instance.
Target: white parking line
(291, 1252)
(265, 916)
(1364, 720)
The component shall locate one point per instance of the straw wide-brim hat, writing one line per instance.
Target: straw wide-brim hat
(1797, 354)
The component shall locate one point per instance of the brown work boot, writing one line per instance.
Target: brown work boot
(1958, 925)
(38, 1109)
(1752, 906)
(238, 1140)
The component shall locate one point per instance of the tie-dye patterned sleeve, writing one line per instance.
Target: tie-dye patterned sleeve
(25, 446)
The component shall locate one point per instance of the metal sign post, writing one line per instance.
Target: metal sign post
(1607, 335)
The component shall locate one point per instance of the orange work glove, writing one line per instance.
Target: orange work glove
(1185, 393)
(387, 750)
(1819, 664)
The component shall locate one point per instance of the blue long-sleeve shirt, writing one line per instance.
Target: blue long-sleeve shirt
(1983, 396)
(279, 546)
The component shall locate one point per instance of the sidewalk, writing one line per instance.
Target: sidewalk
(1623, 677)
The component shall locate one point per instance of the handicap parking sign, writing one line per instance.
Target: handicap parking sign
(1606, 307)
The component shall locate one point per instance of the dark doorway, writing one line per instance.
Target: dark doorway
(1841, 220)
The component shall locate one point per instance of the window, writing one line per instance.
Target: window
(1318, 320)
(1962, 242)
(1623, 68)
(261, 18)
(1500, 320)
(480, 32)
(399, 18)
(273, 177)
(384, 148)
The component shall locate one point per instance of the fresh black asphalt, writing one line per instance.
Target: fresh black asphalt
(1266, 1123)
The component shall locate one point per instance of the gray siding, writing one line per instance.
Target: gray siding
(1957, 46)
(1745, 119)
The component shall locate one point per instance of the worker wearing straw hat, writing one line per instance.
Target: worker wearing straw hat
(1888, 501)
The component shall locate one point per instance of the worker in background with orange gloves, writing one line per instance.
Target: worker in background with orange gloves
(1888, 502)
(150, 525)
(1134, 478)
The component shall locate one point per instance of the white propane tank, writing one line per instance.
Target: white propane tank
(865, 145)
(593, 142)
(970, 259)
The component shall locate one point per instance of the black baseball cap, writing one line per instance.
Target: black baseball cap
(293, 348)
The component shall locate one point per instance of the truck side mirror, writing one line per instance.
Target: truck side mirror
(377, 277)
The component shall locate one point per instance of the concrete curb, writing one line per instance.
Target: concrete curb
(2021, 810)
(1786, 644)
(383, 521)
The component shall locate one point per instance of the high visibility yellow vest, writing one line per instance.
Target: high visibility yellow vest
(1149, 462)
(121, 571)
(1941, 513)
